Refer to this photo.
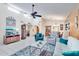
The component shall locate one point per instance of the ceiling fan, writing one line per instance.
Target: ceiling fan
(34, 13)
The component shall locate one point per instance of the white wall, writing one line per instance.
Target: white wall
(2, 21)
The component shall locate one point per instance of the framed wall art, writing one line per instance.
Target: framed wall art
(61, 26)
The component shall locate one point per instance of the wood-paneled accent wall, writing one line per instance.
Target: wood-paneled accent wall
(73, 31)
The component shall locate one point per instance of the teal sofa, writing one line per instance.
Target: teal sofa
(71, 53)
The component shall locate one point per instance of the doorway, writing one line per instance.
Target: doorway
(47, 30)
(23, 31)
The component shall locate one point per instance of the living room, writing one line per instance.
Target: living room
(50, 29)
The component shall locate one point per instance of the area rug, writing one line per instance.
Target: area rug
(46, 50)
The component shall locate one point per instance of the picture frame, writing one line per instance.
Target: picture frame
(61, 26)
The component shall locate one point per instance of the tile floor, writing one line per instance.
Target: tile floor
(10, 49)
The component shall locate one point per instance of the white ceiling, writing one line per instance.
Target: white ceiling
(61, 9)
(48, 8)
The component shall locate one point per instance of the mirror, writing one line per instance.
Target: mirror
(76, 22)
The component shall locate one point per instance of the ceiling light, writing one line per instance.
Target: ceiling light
(37, 20)
(13, 10)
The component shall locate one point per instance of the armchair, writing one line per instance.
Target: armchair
(39, 36)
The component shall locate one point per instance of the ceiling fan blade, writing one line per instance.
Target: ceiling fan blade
(33, 16)
(38, 15)
(33, 13)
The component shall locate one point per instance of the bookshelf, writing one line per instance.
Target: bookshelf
(11, 34)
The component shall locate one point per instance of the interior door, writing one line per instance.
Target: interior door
(23, 31)
(47, 30)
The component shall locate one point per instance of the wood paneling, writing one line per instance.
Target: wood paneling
(73, 31)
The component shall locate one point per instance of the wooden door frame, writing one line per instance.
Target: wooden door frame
(22, 32)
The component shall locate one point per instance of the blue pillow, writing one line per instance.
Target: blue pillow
(71, 53)
(64, 41)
